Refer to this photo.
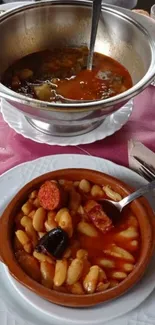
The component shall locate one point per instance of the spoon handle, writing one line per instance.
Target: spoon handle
(137, 194)
(96, 10)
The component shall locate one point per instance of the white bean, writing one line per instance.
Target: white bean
(36, 202)
(39, 219)
(128, 267)
(22, 237)
(91, 279)
(120, 253)
(65, 222)
(85, 186)
(76, 289)
(50, 223)
(112, 194)
(97, 191)
(47, 272)
(87, 229)
(59, 214)
(27, 208)
(81, 254)
(102, 275)
(26, 222)
(24, 240)
(42, 257)
(60, 272)
(117, 275)
(28, 248)
(74, 271)
(33, 194)
(106, 263)
(102, 286)
(49, 226)
(130, 233)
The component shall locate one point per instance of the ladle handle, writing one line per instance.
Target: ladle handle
(96, 10)
(137, 194)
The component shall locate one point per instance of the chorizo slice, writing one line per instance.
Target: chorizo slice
(98, 217)
(51, 196)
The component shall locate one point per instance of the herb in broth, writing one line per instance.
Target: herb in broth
(59, 74)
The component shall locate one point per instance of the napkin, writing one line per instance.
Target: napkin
(138, 149)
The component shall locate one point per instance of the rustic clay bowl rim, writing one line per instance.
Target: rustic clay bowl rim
(140, 207)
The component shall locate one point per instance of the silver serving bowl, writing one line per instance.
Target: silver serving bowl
(57, 23)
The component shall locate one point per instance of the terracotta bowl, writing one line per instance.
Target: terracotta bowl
(140, 208)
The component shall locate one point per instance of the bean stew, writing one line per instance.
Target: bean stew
(64, 240)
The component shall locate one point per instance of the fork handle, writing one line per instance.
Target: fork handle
(137, 194)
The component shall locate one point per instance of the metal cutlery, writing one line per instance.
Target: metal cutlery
(113, 209)
(146, 170)
(96, 11)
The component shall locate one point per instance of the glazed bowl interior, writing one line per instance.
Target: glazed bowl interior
(140, 209)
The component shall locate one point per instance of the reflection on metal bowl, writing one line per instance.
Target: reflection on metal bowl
(57, 23)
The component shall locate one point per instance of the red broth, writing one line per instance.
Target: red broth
(55, 75)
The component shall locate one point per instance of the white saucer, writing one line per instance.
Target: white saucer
(110, 125)
(34, 310)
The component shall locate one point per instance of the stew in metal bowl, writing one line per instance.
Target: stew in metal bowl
(58, 74)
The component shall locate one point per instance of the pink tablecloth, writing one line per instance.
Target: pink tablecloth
(14, 149)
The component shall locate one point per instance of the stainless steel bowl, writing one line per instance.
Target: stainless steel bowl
(42, 25)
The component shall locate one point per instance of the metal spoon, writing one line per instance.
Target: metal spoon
(96, 10)
(113, 209)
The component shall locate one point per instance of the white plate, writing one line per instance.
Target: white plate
(110, 125)
(41, 312)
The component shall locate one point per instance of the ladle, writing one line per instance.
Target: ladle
(96, 10)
